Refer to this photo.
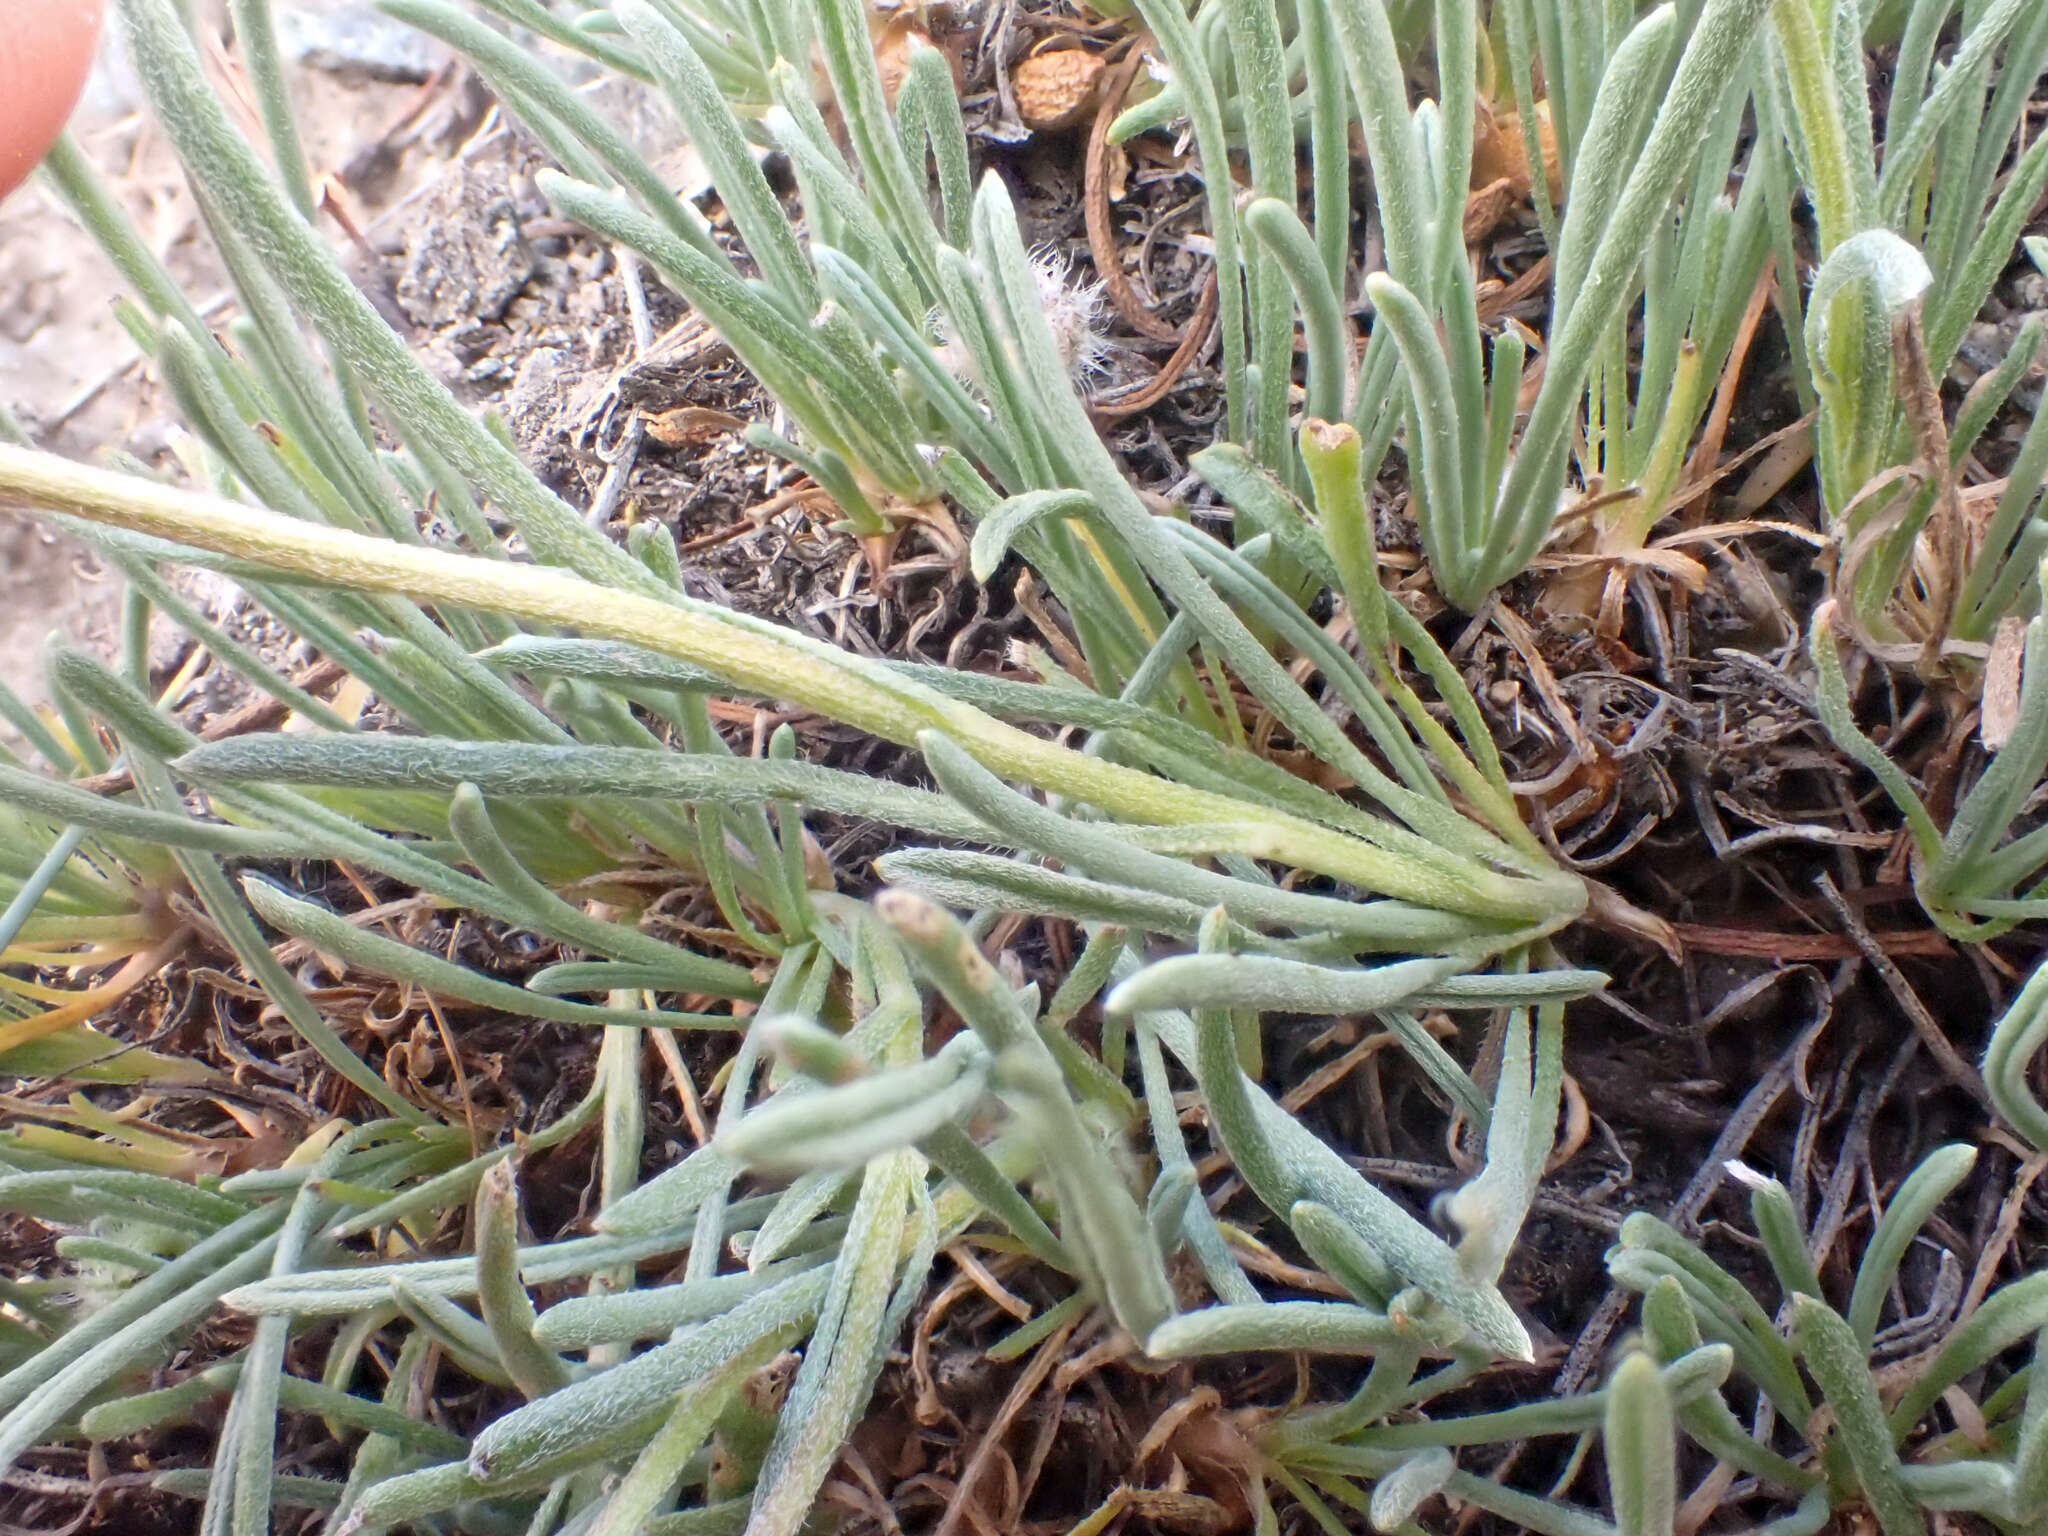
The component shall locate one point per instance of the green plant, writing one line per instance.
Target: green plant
(1971, 880)
(1142, 589)
(1863, 1442)
(1387, 1470)
(234, 180)
(1486, 499)
(1486, 503)
(81, 904)
(1861, 1431)
(1910, 243)
(2015, 1041)
(502, 779)
(557, 693)
(1703, 277)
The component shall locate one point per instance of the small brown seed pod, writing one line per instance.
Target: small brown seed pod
(1054, 89)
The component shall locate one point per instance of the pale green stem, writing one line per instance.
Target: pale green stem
(749, 655)
(1832, 182)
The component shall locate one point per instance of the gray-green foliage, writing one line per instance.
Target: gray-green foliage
(1816, 1370)
(543, 758)
(2016, 1039)
(1656, 261)
(1660, 108)
(1973, 878)
(557, 721)
(1916, 220)
(1912, 241)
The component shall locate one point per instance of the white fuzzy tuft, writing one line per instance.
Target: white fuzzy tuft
(1073, 310)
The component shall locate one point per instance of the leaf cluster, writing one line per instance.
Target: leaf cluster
(552, 704)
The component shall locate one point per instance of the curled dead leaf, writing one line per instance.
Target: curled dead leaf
(1683, 569)
(690, 424)
(895, 44)
(1487, 206)
(1498, 153)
